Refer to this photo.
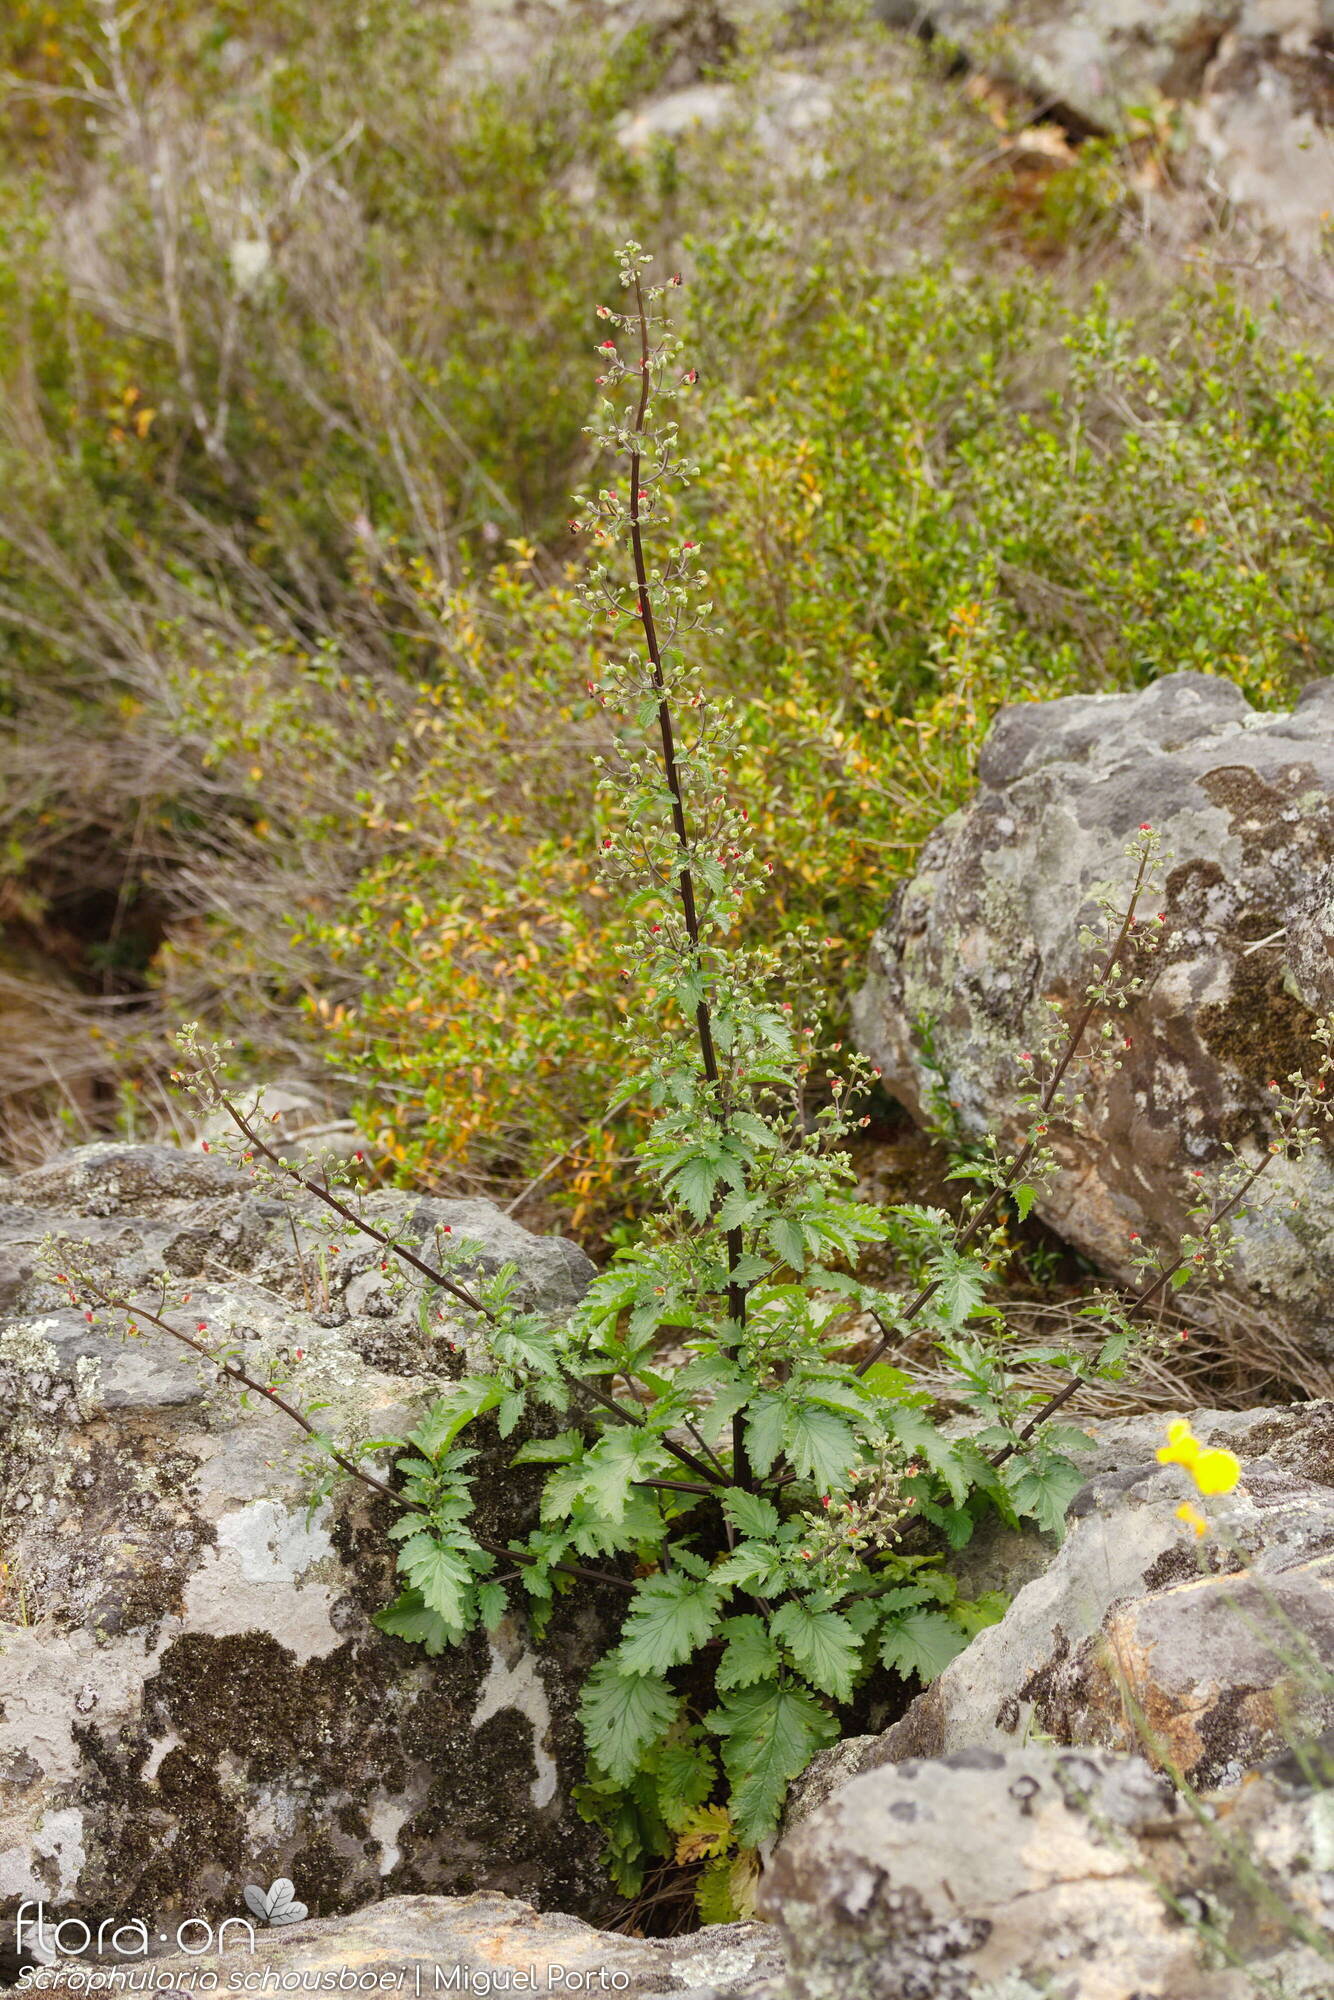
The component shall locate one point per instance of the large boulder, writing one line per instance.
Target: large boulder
(987, 929)
(192, 1696)
(1254, 79)
(1007, 1875)
(1207, 1654)
(479, 1944)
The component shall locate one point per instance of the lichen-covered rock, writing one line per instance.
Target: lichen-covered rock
(1253, 78)
(191, 1693)
(988, 928)
(1215, 1675)
(1125, 1608)
(1030, 1873)
(476, 1939)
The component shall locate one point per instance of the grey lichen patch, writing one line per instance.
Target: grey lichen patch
(88, 1386)
(25, 1349)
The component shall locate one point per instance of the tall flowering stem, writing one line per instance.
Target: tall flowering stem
(641, 445)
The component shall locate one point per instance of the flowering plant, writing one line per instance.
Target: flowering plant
(727, 1433)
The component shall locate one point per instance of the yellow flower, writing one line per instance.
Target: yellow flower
(1181, 1447)
(1216, 1471)
(1192, 1517)
(1213, 1471)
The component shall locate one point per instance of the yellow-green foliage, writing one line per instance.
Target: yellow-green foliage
(291, 549)
(902, 532)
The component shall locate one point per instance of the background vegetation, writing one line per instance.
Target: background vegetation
(295, 335)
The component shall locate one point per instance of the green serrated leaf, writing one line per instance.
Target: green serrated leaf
(892, 1385)
(751, 1565)
(622, 1714)
(449, 1414)
(492, 1604)
(764, 1430)
(1043, 1488)
(919, 1435)
(713, 1892)
(962, 1286)
(920, 1642)
(686, 1773)
(669, 1617)
(443, 1578)
(820, 1445)
(976, 1613)
(770, 1733)
(694, 1184)
(607, 1473)
(824, 1647)
(750, 1654)
(408, 1617)
(750, 1514)
(789, 1241)
(956, 1523)
(549, 1451)
(738, 1209)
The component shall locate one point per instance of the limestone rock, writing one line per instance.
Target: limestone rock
(988, 928)
(1216, 1674)
(995, 1875)
(785, 109)
(483, 1938)
(192, 1695)
(1253, 77)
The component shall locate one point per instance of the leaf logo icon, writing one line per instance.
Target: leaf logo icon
(275, 1905)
